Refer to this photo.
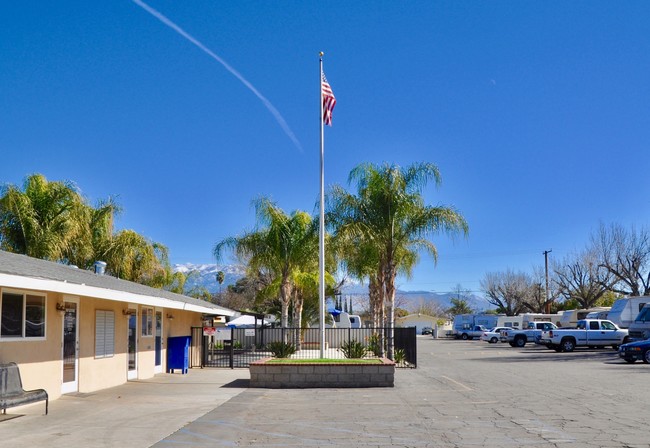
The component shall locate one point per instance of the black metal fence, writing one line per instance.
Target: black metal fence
(238, 347)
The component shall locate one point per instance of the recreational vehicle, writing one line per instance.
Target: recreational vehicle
(570, 318)
(626, 309)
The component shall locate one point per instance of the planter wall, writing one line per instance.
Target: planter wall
(313, 375)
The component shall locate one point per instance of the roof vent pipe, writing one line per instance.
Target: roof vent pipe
(100, 267)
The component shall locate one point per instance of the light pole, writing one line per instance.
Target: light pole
(548, 303)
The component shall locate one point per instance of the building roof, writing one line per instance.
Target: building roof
(21, 271)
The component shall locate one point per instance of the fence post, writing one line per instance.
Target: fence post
(232, 347)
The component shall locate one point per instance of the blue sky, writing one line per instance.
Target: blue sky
(536, 114)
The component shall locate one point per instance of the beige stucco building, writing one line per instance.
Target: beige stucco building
(72, 330)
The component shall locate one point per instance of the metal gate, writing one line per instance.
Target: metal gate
(238, 347)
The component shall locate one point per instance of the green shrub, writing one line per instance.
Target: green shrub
(281, 349)
(374, 344)
(353, 349)
(399, 355)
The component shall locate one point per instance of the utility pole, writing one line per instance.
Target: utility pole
(548, 303)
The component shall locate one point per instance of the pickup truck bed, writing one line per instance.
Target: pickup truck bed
(589, 333)
(519, 338)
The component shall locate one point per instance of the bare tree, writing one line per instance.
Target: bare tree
(537, 302)
(510, 292)
(625, 253)
(582, 278)
(428, 307)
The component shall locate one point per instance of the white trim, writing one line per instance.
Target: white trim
(132, 374)
(16, 281)
(159, 368)
(71, 386)
(25, 293)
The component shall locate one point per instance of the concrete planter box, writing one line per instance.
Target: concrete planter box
(311, 375)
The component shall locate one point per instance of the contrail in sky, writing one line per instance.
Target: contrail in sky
(283, 124)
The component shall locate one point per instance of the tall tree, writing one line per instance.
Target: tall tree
(53, 221)
(581, 278)
(510, 292)
(625, 253)
(389, 214)
(459, 306)
(43, 220)
(281, 244)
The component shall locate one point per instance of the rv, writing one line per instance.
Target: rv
(626, 309)
(640, 328)
(538, 317)
(570, 318)
(345, 320)
(467, 321)
(509, 321)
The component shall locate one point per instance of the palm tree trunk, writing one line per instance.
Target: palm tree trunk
(391, 274)
(298, 305)
(285, 298)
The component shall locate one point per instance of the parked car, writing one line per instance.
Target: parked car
(492, 336)
(639, 350)
(470, 332)
(427, 330)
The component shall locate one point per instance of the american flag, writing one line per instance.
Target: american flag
(328, 99)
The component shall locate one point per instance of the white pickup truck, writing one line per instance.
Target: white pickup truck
(519, 338)
(589, 333)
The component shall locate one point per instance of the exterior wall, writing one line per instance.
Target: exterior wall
(94, 373)
(417, 321)
(41, 360)
(330, 375)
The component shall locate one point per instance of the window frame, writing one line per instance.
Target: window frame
(24, 293)
(146, 322)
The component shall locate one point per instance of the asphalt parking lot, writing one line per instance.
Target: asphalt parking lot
(463, 394)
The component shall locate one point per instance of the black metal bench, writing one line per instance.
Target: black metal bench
(12, 392)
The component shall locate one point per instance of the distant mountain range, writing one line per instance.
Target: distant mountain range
(206, 276)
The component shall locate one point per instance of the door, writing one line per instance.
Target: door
(159, 342)
(70, 346)
(132, 341)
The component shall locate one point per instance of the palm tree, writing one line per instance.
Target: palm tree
(389, 215)
(43, 220)
(220, 278)
(281, 245)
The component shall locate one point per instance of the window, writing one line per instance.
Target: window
(104, 334)
(22, 315)
(607, 325)
(147, 321)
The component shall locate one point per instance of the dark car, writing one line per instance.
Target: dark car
(427, 330)
(634, 351)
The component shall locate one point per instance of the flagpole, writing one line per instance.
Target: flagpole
(321, 235)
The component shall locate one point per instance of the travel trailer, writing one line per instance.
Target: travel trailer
(538, 317)
(345, 320)
(509, 321)
(640, 328)
(467, 321)
(626, 309)
(569, 318)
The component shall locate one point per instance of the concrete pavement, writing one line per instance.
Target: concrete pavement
(463, 394)
(136, 414)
